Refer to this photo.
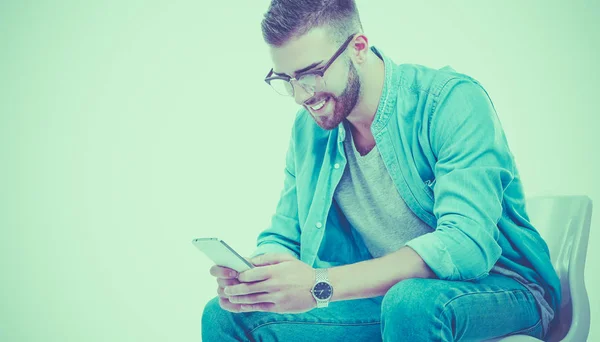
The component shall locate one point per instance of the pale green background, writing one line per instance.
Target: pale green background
(127, 128)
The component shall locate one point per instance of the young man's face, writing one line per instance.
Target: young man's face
(341, 88)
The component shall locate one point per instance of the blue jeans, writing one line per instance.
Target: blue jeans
(412, 310)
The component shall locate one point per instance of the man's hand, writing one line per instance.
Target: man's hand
(226, 277)
(280, 283)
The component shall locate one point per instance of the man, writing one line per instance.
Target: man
(402, 216)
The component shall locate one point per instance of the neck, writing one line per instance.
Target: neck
(363, 114)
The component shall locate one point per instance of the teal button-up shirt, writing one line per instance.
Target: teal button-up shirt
(442, 143)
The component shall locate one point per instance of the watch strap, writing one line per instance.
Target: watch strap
(322, 275)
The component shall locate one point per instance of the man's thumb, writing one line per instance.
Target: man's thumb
(270, 259)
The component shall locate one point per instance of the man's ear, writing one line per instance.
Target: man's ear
(359, 48)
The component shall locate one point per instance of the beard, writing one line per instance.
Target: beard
(344, 103)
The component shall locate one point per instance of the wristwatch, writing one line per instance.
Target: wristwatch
(322, 290)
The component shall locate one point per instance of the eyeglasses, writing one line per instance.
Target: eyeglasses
(311, 81)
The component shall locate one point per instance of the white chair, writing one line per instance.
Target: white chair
(564, 222)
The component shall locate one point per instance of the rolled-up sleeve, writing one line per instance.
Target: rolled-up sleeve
(473, 169)
(283, 235)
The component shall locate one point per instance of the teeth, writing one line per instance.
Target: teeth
(319, 105)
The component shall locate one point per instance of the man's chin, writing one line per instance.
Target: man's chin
(326, 123)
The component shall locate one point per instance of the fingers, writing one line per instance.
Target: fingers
(249, 288)
(225, 304)
(255, 274)
(223, 272)
(226, 282)
(223, 283)
(271, 258)
(253, 298)
(221, 293)
(237, 308)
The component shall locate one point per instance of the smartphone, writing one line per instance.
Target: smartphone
(221, 254)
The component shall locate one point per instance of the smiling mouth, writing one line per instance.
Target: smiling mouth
(317, 106)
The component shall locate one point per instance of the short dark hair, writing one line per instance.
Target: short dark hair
(292, 18)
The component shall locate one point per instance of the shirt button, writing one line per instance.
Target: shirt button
(319, 225)
(336, 166)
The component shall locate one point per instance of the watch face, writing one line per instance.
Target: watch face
(322, 290)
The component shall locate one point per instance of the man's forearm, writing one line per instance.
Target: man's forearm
(372, 278)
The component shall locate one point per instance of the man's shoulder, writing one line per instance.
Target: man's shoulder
(429, 80)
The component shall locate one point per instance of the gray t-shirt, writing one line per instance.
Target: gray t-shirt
(368, 198)
(370, 201)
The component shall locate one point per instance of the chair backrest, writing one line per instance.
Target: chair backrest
(564, 223)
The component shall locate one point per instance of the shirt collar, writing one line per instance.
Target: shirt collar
(387, 101)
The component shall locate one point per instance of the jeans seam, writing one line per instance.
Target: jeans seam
(447, 304)
(482, 292)
(315, 323)
(527, 330)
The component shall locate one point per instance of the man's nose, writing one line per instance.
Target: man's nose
(300, 94)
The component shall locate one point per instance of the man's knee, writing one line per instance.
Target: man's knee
(413, 307)
(409, 298)
(215, 320)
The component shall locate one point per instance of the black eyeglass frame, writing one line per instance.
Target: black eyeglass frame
(320, 71)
